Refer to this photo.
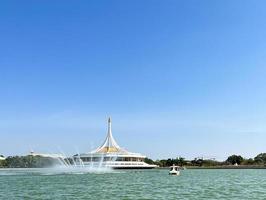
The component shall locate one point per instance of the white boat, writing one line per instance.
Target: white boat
(111, 155)
(174, 170)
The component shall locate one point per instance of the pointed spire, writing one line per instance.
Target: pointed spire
(109, 144)
(110, 140)
(109, 132)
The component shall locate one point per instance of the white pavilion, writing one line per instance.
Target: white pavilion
(110, 154)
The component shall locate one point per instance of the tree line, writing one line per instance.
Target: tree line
(28, 162)
(259, 160)
(40, 162)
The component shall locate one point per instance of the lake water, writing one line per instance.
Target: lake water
(138, 184)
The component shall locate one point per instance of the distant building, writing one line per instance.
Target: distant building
(110, 154)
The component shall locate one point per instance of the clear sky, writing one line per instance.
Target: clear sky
(179, 78)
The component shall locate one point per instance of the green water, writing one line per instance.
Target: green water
(137, 184)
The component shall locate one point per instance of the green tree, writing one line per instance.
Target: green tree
(179, 161)
(2, 163)
(149, 161)
(29, 161)
(233, 159)
(261, 158)
(249, 161)
(169, 162)
(197, 162)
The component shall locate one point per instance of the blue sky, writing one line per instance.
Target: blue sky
(179, 78)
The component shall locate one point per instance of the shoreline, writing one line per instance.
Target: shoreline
(223, 167)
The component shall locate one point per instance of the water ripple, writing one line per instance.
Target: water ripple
(137, 184)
